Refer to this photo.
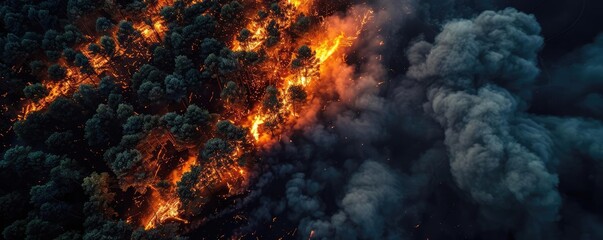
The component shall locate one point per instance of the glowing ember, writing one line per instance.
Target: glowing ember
(295, 3)
(165, 211)
(293, 84)
(225, 172)
(151, 32)
(326, 42)
(56, 89)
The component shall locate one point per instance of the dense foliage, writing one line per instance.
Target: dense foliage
(65, 164)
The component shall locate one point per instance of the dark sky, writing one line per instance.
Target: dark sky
(566, 24)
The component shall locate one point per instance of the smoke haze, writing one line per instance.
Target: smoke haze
(444, 130)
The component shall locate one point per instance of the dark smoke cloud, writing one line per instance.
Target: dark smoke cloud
(368, 209)
(340, 185)
(435, 134)
(579, 147)
(499, 157)
(580, 75)
(495, 48)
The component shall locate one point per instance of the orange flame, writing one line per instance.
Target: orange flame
(169, 209)
(327, 48)
(257, 121)
(151, 33)
(326, 42)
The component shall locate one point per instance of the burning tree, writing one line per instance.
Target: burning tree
(166, 109)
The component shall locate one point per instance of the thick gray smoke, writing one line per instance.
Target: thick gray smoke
(368, 209)
(498, 156)
(449, 146)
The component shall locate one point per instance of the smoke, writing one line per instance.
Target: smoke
(579, 74)
(368, 209)
(499, 157)
(430, 131)
(338, 144)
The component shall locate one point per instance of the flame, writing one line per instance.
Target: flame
(186, 167)
(259, 27)
(257, 38)
(257, 121)
(168, 206)
(152, 33)
(167, 210)
(73, 79)
(326, 43)
(295, 3)
(327, 48)
(302, 6)
(164, 204)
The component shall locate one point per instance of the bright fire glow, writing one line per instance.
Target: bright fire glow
(257, 121)
(165, 211)
(327, 48)
(152, 33)
(73, 79)
(264, 126)
(325, 42)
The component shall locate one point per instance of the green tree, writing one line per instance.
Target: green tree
(231, 10)
(175, 87)
(94, 48)
(229, 131)
(274, 34)
(108, 45)
(98, 188)
(244, 35)
(35, 91)
(126, 32)
(69, 54)
(56, 72)
(297, 95)
(103, 24)
(36, 67)
(271, 102)
(229, 92)
(125, 161)
(98, 128)
(216, 148)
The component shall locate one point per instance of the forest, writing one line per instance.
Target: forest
(301, 119)
(131, 119)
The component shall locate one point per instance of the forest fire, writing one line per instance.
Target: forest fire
(73, 78)
(324, 43)
(301, 6)
(152, 31)
(300, 119)
(178, 179)
(166, 207)
(210, 175)
(226, 172)
(164, 211)
(327, 48)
